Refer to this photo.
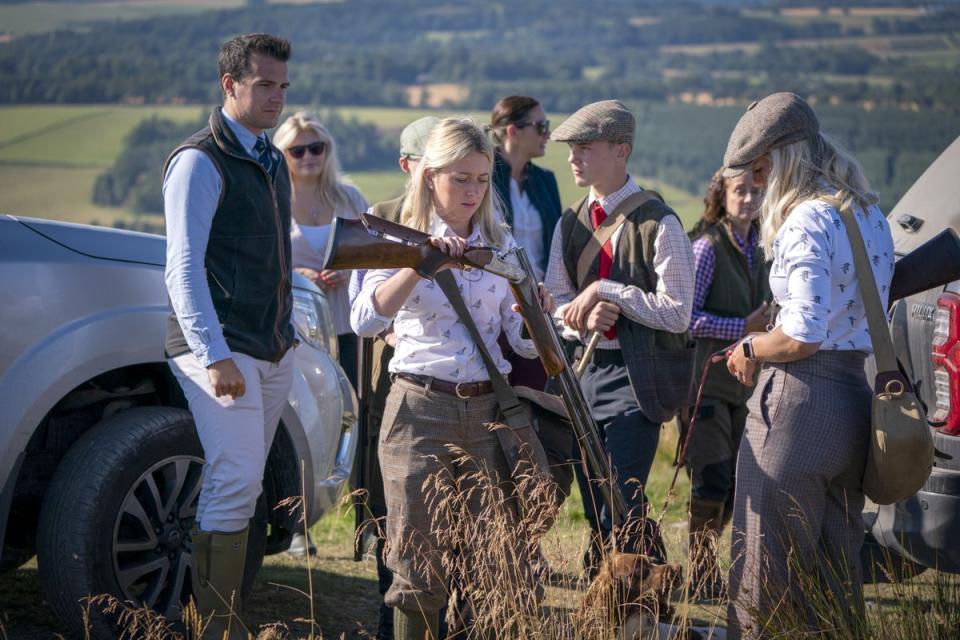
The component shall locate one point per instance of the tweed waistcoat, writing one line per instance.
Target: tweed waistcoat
(659, 363)
(735, 293)
(247, 261)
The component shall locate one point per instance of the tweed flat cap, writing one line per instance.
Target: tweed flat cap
(776, 121)
(414, 136)
(608, 120)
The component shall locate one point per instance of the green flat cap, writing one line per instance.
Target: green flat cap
(608, 120)
(776, 121)
(413, 138)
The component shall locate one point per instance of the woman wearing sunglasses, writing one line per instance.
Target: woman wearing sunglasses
(528, 196)
(318, 194)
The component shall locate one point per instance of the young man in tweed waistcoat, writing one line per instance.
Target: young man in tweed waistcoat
(638, 291)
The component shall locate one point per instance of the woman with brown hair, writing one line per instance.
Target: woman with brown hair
(528, 197)
(319, 194)
(731, 294)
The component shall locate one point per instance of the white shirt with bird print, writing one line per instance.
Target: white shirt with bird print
(815, 282)
(431, 340)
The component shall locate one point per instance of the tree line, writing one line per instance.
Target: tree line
(135, 178)
(367, 52)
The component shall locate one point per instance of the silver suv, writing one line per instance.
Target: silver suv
(99, 460)
(923, 531)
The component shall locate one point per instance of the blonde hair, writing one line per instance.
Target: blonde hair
(818, 169)
(452, 139)
(330, 182)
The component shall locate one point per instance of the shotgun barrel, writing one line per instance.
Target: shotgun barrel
(548, 343)
(933, 264)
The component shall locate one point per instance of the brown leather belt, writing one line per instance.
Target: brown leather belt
(459, 389)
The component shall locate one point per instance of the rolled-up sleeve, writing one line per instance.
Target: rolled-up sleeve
(669, 307)
(364, 319)
(803, 247)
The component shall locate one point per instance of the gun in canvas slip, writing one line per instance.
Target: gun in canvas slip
(374, 243)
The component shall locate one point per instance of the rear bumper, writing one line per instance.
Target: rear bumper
(925, 528)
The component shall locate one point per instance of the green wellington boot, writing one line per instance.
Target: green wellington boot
(409, 624)
(218, 561)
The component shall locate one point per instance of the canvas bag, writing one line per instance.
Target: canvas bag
(901, 447)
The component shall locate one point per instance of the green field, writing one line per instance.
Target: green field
(39, 17)
(50, 157)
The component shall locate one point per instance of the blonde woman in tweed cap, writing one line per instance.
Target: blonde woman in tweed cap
(441, 394)
(797, 524)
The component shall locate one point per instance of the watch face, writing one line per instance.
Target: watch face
(747, 349)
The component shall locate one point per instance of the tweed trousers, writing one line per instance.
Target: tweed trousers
(426, 433)
(797, 528)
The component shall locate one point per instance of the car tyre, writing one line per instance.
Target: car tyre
(137, 469)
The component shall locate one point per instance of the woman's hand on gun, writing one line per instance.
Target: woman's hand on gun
(451, 245)
(546, 300)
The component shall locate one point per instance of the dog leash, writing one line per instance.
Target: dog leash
(715, 357)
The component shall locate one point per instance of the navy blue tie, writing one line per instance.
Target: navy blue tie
(265, 155)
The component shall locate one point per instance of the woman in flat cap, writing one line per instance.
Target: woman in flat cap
(797, 523)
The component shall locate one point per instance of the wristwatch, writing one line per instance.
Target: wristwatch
(747, 346)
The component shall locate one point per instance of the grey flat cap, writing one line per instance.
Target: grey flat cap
(608, 120)
(776, 121)
(413, 138)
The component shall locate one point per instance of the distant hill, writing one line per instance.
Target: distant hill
(470, 52)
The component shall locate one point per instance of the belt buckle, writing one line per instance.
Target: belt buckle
(456, 390)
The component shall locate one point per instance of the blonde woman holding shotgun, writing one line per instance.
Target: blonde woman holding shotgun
(797, 524)
(441, 394)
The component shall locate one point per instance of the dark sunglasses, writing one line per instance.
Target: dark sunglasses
(315, 148)
(542, 126)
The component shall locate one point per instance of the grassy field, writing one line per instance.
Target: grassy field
(345, 599)
(345, 595)
(50, 157)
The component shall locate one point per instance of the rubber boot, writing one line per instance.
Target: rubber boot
(410, 624)
(218, 562)
(706, 525)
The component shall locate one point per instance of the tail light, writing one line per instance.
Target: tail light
(946, 363)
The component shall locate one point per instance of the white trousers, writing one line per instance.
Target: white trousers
(235, 434)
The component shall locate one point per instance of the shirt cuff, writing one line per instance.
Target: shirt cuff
(611, 291)
(215, 353)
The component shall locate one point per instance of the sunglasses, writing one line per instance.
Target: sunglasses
(315, 149)
(542, 126)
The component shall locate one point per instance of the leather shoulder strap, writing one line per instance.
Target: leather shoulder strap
(607, 228)
(876, 319)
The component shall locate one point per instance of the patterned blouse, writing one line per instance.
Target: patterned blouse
(431, 340)
(814, 280)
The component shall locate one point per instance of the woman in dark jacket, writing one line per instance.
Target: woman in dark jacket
(528, 196)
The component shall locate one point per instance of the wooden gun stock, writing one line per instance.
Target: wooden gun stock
(375, 243)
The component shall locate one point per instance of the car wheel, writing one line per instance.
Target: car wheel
(117, 516)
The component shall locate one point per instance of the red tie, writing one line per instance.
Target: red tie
(597, 216)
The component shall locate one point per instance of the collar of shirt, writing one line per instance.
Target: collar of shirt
(746, 244)
(613, 200)
(439, 228)
(244, 136)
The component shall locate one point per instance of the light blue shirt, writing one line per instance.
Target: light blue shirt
(191, 193)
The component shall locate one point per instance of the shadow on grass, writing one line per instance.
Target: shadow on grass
(345, 605)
